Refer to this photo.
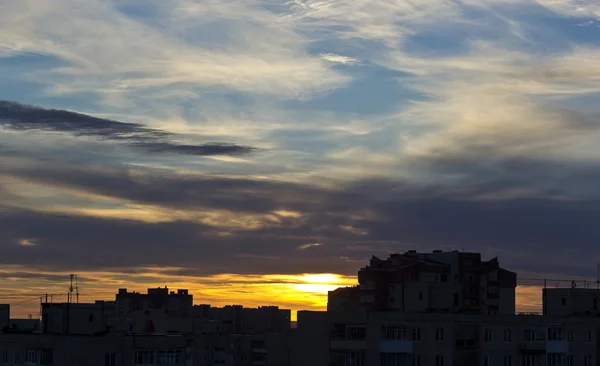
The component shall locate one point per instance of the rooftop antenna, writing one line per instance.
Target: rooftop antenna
(76, 290)
(70, 296)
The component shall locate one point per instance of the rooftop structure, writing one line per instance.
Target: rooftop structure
(457, 282)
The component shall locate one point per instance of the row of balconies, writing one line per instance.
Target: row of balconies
(405, 346)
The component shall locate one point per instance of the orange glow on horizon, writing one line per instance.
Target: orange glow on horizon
(306, 291)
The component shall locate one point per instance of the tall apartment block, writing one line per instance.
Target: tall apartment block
(452, 282)
(447, 309)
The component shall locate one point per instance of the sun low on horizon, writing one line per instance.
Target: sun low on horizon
(261, 152)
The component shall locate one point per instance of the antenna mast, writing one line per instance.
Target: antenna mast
(76, 289)
(70, 296)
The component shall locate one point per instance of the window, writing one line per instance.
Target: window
(570, 360)
(508, 360)
(356, 333)
(439, 335)
(143, 357)
(570, 336)
(554, 334)
(588, 336)
(529, 360)
(345, 358)
(46, 357)
(554, 359)
(528, 335)
(32, 356)
(488, 336)
(439, 360)
(420, 296)
(444, 277)
(3, 356)
(91, 318)
(416, 360)
(587, 360)
(393, 359)
(507, 335)
(17, 358)
(563, 301)
(110, 359)
(416, 335)
(394, 333)
(487, 361)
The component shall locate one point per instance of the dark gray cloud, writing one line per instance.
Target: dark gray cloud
(528, 232)
(21, 117)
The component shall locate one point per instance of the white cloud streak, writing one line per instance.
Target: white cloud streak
(103, 50)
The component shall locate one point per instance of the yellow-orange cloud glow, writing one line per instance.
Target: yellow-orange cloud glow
(295, 292)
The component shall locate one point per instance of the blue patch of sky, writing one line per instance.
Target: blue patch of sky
(455, 37)
(373, 90)
(310, 141)
(548, 32)
(20, 84)
(327, 41)
(210, 34)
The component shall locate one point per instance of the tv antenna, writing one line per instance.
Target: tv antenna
(71, 288)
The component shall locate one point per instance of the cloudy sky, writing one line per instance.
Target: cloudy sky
(258, 152)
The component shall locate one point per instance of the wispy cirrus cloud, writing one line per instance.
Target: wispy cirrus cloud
(385, 126)
(253, 52)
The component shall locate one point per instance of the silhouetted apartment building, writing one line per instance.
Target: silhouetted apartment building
(179, 301)
(571, 301)
(390, 338)
(229, 336)
(455, 282)
(344, 299)
(106, 350)
(241, 320)
(4, 315)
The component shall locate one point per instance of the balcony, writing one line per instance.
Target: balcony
(396, 346)
(557, 347)
(348, 344)
(532, 347)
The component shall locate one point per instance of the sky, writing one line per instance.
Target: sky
(260, 152)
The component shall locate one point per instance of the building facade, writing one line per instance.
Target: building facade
(390, 338)
(454, 282)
